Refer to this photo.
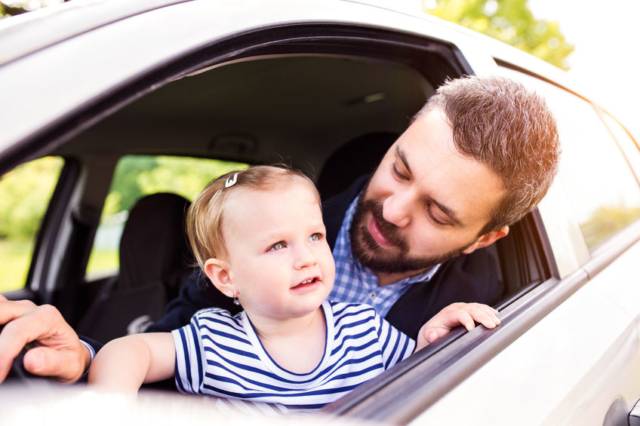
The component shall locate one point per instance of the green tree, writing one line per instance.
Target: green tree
(139, 175)
(606, 221)
(16, 7)
(509, 21)
(125, 190)
(24, 196)
(184, 176)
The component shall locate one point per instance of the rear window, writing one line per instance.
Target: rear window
(135, 177)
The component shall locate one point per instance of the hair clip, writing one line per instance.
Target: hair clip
(231, 181)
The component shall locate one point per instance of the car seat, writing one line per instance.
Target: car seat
(154, 262)
(355, 158)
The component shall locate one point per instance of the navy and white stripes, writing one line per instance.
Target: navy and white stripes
(221, 355)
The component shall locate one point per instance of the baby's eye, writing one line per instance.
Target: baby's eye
(315, 237)
(278, 246)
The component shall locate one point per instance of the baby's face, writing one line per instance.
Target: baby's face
(279, 257)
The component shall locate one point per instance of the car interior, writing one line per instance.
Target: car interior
(332, 116)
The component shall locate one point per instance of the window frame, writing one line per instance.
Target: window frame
(46, 237)
(415, 51)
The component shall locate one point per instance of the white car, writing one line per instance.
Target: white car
(115, 91)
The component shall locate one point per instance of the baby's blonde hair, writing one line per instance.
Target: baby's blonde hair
(205, 218)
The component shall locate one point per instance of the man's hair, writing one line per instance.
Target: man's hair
(206, 216)
(510, 129)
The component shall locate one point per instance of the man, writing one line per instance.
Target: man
(478, 157)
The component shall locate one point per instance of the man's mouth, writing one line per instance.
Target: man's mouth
(376, 233)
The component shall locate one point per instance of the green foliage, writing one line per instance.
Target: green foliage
(17, 7)
(137, 176)
(15, 257)
(24, 196)
(125, 190)
(509, 21)
(184, 176)
(606, 221)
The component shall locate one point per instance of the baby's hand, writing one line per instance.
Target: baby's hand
(453, 315)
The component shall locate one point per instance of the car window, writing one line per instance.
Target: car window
(600, 187)
(135, 177)
(627, 144)
(25, 193)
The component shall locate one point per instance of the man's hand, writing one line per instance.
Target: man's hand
(466, 314)
(61, 354)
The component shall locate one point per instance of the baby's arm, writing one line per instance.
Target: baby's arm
(453, 315)
(126, 363)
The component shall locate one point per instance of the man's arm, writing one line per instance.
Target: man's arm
(61, 354)
(126, 363)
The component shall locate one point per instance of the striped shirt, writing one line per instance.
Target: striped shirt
(355, 283)
(221, 355)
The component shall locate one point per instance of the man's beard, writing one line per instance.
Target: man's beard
(389, 261)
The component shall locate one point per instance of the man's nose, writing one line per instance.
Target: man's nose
(396, 209)
(305, 257)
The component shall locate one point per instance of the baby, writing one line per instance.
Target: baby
(259, 237)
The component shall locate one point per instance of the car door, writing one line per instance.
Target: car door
(580, 363)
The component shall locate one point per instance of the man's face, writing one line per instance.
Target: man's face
(426, 202)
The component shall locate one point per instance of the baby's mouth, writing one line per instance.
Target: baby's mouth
(307, 283)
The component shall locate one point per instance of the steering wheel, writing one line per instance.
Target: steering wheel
(19, 374)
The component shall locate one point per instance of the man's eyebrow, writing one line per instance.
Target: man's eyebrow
(403, 157)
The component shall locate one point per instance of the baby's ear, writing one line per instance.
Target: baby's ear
(219, 272)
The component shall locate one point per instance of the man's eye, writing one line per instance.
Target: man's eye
(399, 174)
(316, 237)
(433, 217)
(278, 246)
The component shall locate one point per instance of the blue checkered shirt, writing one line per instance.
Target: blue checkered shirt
(358, 284)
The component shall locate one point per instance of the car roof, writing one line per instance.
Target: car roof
(33, 31)
(90, 31)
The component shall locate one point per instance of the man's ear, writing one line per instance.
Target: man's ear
(220, 274)
(487, 239)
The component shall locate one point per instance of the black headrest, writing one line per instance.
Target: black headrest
(154, 244)
(355, 158)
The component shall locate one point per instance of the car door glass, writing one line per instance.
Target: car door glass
(600, 187)
(25, 193)
(135, 177)
(627, 144)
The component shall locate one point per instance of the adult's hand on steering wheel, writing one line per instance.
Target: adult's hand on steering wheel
(59, 353)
